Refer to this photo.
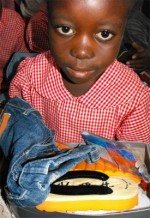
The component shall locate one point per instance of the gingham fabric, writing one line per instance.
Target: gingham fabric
(12, 39)
(117, 106)
(9, 4)
(37, 31)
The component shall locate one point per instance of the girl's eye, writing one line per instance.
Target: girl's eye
(65, 30)
(105, 35)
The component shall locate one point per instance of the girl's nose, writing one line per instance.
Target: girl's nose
(82, 48)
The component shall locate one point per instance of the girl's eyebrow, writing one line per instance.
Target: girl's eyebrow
(111, 26)
(58, 16)
(105, 24)
(115, 23)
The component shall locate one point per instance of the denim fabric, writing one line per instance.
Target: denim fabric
(35, 160)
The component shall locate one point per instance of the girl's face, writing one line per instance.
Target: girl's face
(85, 36)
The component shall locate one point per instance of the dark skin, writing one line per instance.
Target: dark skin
(85, 41)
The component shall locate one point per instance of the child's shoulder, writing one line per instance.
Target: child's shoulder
(122, 85)
(126, 75)
(39, 65)
(36, 70)
(39, 60)
(125, 79)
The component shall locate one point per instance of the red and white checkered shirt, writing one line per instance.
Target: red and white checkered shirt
(11, 39)
(37, 31)
(117, 106)
(8, 4)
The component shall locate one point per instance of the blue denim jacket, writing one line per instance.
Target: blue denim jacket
(35, 161)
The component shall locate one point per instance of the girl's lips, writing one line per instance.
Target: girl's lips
(79, 72)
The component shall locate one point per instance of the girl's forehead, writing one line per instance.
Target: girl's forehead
(90, 2)
(91, 7)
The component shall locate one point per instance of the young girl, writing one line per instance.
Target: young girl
(79, 85)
